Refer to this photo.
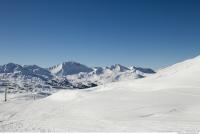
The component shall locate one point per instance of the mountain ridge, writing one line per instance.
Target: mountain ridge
(66, 75)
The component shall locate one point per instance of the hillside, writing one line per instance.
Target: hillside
(164, 102)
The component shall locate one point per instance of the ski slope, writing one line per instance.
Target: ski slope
(167, 101)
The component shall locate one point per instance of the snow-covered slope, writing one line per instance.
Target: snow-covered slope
(142, 71)
(77, 73)
(34, 69)
(13, 68)
(27, 70)
(164, 102)
(183, 74)
(24, 78)
(118, 68)
(113, 73)
(69, 68)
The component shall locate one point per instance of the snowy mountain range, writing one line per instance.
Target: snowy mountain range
(27, 71)
(156, 103)
(68, 75)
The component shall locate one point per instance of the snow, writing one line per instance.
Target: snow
(167, 101)
(65, 95)
(65, 75)
(56, 69)
(69, 68)
(110, 74)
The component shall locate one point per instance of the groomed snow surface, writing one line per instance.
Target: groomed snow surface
(168, 101)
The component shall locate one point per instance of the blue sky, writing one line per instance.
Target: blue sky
(147, 33)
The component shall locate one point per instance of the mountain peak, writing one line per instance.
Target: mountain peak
(143, 70)
(69, 68)
(41, 72)
(10, 68)
(118, 67)
(70, 62)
